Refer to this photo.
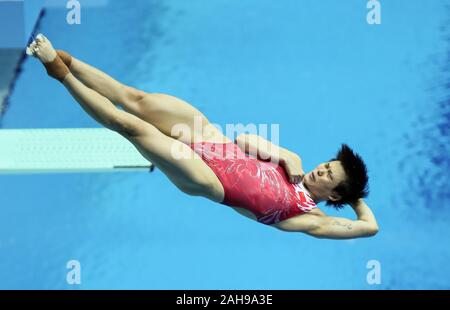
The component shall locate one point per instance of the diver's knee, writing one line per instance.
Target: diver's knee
(133, 95)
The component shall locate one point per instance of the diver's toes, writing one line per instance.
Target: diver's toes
(29, 52)
(30, 48)
(40, 38)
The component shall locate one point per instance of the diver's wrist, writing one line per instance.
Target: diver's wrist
(357, 203)
(283, 156)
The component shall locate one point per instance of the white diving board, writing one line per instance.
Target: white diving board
(71, 150)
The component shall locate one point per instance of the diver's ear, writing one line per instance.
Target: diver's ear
(334, 197)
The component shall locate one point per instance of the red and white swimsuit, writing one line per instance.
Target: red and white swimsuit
(258, 186)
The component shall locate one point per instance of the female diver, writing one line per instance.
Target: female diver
(256, 178)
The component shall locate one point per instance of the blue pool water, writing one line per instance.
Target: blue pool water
(314, 67)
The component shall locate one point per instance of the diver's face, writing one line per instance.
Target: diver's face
(323, 179)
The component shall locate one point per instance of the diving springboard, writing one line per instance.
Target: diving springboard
(71, 150)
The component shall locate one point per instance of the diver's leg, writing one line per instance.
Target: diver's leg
(101, 82)
(167, 113)
(178, 119)
(186, 171)
(176, 160)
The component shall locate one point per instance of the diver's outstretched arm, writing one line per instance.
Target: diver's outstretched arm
(363, 212)
(341, 228)
(329, 227)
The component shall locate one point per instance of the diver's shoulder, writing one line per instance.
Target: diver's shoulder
(316, 211)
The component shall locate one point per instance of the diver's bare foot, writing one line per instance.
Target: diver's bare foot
(42, 49)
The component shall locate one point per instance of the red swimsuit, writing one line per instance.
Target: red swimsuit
(258, 186)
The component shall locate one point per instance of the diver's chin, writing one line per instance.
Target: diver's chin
(305, 184)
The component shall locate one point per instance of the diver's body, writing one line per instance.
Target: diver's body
(148, 122)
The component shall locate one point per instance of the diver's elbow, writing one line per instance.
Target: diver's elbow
(373, 231)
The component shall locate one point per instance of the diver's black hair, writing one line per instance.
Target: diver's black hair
(355, 185)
